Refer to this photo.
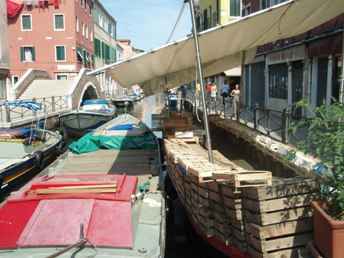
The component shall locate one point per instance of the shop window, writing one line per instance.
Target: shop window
(278, 81)
(205, 19)
(337, 78)
(27, 54)
(2, 88)
(234, 8)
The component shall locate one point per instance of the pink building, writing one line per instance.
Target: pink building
(55, 36)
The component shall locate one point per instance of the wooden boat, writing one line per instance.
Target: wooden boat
(105, 201)
(92, 114)
(24, 152)
(123, 102)
(241, 212)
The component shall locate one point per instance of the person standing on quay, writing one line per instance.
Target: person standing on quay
(213, 94)
(224, 93)
(236, 101)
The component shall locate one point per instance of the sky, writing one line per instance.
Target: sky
(148, 23)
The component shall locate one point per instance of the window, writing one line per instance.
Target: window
(91, 35)
(59, 22)
(26, 22)
(27, 54)
(97, 47)
(269, 3)
(205, 19)
(62, 77)
(110, 28)
(3, 89)
(60, 53)
(83, 29)
(246, 10)
(278, 81)
(77, 24)
(234, 8)
(86, 31)
(15, 78)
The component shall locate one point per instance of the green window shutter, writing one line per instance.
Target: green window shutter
(97, 47)
(60, 53)
(26, 22)
(103, 51)
(33, 54)
(22, 54)
(59, 22)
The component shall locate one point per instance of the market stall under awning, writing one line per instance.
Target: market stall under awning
(221, 47)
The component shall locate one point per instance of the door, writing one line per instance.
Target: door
(297, 87)
(322, 80)
(258, 84)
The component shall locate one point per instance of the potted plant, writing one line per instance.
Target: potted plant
(325, 139)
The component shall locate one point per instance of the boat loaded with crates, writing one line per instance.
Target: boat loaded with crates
(241, 212)
(100, 199)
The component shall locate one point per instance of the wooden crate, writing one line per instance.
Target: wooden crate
(279, 239)
(278, 218)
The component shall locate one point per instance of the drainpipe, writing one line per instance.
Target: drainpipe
(200, 76)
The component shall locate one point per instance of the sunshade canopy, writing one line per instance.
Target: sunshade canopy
(221, 47)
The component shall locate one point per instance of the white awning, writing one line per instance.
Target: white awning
(236, 71)
(221, 47)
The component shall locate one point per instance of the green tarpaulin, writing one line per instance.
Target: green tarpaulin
(90, 143)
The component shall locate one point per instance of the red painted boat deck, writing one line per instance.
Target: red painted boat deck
(28, 220)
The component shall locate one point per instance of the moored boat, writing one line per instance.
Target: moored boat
(92, 114)
(123, 102)
(103, 198)
(24, 152)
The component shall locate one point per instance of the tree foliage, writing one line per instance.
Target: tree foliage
(325, 140)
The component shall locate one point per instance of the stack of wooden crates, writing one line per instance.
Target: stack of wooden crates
(265, 221)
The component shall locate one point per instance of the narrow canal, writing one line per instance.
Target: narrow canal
(182, 240)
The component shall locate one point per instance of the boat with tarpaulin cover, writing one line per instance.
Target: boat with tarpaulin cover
(102, 200)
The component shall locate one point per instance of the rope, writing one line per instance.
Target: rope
(176, 24)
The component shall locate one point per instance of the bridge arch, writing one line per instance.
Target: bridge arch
(89, 91)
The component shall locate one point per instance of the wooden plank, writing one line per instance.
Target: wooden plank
(276, 244)
(278, 204)
(264, 219)
(252, 179)
(74, 191)
(281, 229)
(282, 187)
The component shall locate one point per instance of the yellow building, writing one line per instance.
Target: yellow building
(217, 12)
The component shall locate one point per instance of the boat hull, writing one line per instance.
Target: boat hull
(76, 124)
(23, 171)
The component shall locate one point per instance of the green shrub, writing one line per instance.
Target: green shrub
(325, 140)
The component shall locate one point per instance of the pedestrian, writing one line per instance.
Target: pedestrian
(213, 94)
(236, 101)
(225, 92)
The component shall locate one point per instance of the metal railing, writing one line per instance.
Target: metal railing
(49, 106)
(272, 123)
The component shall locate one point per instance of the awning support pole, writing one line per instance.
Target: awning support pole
(200, 76)
(341, 89)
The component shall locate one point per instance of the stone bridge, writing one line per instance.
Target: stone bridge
(56, 96)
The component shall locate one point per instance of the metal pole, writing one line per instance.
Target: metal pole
(341, 89)
(200, 76)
